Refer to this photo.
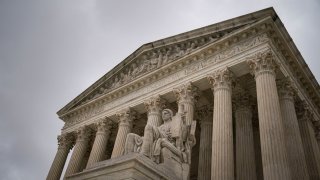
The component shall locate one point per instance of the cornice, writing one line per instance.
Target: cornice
(266, 29)
(216, 52)
(297, 66)
(217, 29)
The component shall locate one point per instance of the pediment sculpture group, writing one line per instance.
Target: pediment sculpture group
(152, 60)
(157, 58)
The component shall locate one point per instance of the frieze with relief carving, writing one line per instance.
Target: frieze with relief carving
(228, 53)
(150, 61)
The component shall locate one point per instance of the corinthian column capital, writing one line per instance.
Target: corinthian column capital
(65, 141)
(205, 114)
(221, 78)
(154, 104)
(263, 62)
(103, 126)
(286, 89)
(83, 133)
(304, 111)
(242, 98)
(186, 92)
(126, 116)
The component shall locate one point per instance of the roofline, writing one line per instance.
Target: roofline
(223, 25)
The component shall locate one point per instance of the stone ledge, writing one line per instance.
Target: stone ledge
(131, 166)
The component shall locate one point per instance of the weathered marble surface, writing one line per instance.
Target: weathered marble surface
(130, 166)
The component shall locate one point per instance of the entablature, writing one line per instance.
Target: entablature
(215, 52)
(193, 38)
(187, 67)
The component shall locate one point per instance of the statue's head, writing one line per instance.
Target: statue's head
(167, 115)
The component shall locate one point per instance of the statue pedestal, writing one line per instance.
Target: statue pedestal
(130, 166)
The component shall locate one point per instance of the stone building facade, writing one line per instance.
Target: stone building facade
(241, 101)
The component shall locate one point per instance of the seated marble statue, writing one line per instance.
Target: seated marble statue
(173, 135)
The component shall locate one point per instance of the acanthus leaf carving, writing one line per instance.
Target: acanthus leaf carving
(263, 62)
(187, 93)
(126, 116)
(221, 78)
(154, 104)
(65, 141)
(286, 88)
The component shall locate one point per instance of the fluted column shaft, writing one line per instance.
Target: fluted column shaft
(186, 97)
(79, 151)
(292, 135)
(318, 139)
(308, 139)
(245, 154)
(273, 151)
(315, 147)
(125, 127)
(154, 107)
(205, 149)
(154, 119)
(65, 144)
(222, 164)
(100, 143)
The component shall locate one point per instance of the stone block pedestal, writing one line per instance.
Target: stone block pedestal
(131, 166)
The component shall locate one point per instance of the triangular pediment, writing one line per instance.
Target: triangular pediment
(152, 56)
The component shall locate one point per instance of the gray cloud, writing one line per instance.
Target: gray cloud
(50, 51)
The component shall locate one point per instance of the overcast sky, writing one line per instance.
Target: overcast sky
(50, 51)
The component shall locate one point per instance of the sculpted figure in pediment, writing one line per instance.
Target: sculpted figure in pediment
(202, 42)
(178, 52)
(144, 67)
(153, 61)
(160, 58)
(134, 70)
(126, 76)
(116, 82)
(167, 57)
(191, 46)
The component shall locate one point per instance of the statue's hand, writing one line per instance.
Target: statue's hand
(192, 140)
(170, 136)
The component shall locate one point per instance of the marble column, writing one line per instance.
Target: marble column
(245, 154)
(154, 107)
(318, 137)
(292, 135)
(205, 120)
(100, 142)
(126, 117)
(186, 96)
(311, 150)
(65, 144)
(222, 164)
(273, 150)
(79, 151)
